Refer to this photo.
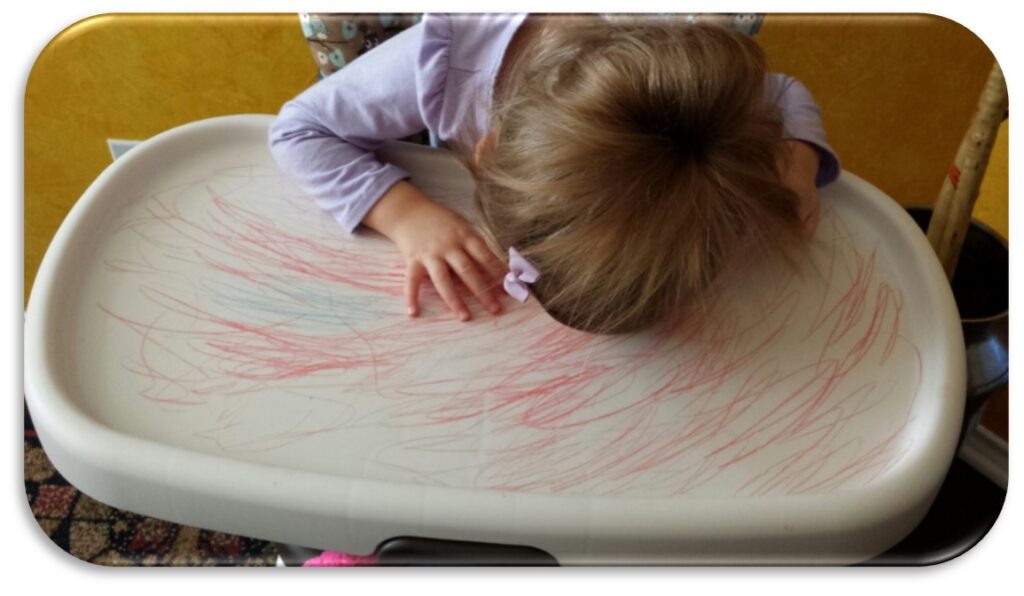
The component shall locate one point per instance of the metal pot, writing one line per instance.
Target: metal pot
(981, 289)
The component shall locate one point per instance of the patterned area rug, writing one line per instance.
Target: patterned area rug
(94, 532)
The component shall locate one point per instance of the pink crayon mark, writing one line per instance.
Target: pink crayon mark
(300, 308)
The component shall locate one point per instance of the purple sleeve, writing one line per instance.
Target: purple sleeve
(325, 138)
(802, 121)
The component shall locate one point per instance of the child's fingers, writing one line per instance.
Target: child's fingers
(482, 254)
(466, 269)
(413, 279)
(442, 279)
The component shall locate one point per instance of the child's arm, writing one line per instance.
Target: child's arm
(325, 138)
(810, 161)
(799, 171)
(802, 122)
(437, 243)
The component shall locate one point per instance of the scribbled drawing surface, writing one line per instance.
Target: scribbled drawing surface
(226, 314)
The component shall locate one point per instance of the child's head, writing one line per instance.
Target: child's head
(632, 163)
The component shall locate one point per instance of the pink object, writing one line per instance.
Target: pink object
(521, 273)
(330, 558)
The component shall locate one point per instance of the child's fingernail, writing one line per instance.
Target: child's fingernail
(412, 312)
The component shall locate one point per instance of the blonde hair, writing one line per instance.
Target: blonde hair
(634, 161)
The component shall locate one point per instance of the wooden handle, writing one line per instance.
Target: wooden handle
(952, 214)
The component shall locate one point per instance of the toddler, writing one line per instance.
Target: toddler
(622, 165)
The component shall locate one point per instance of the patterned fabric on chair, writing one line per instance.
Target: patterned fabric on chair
(335, 39)
(749, 23)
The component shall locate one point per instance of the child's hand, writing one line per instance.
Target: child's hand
(437, 243)
(799, 174)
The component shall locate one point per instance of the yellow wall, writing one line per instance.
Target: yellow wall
(897, 95)
(992, 207)
(131, 77)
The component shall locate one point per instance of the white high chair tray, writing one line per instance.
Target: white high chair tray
(205, 345)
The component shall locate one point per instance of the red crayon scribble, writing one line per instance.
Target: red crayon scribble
(800, 392)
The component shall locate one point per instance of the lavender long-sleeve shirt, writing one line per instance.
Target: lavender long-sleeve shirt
(438, 75)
